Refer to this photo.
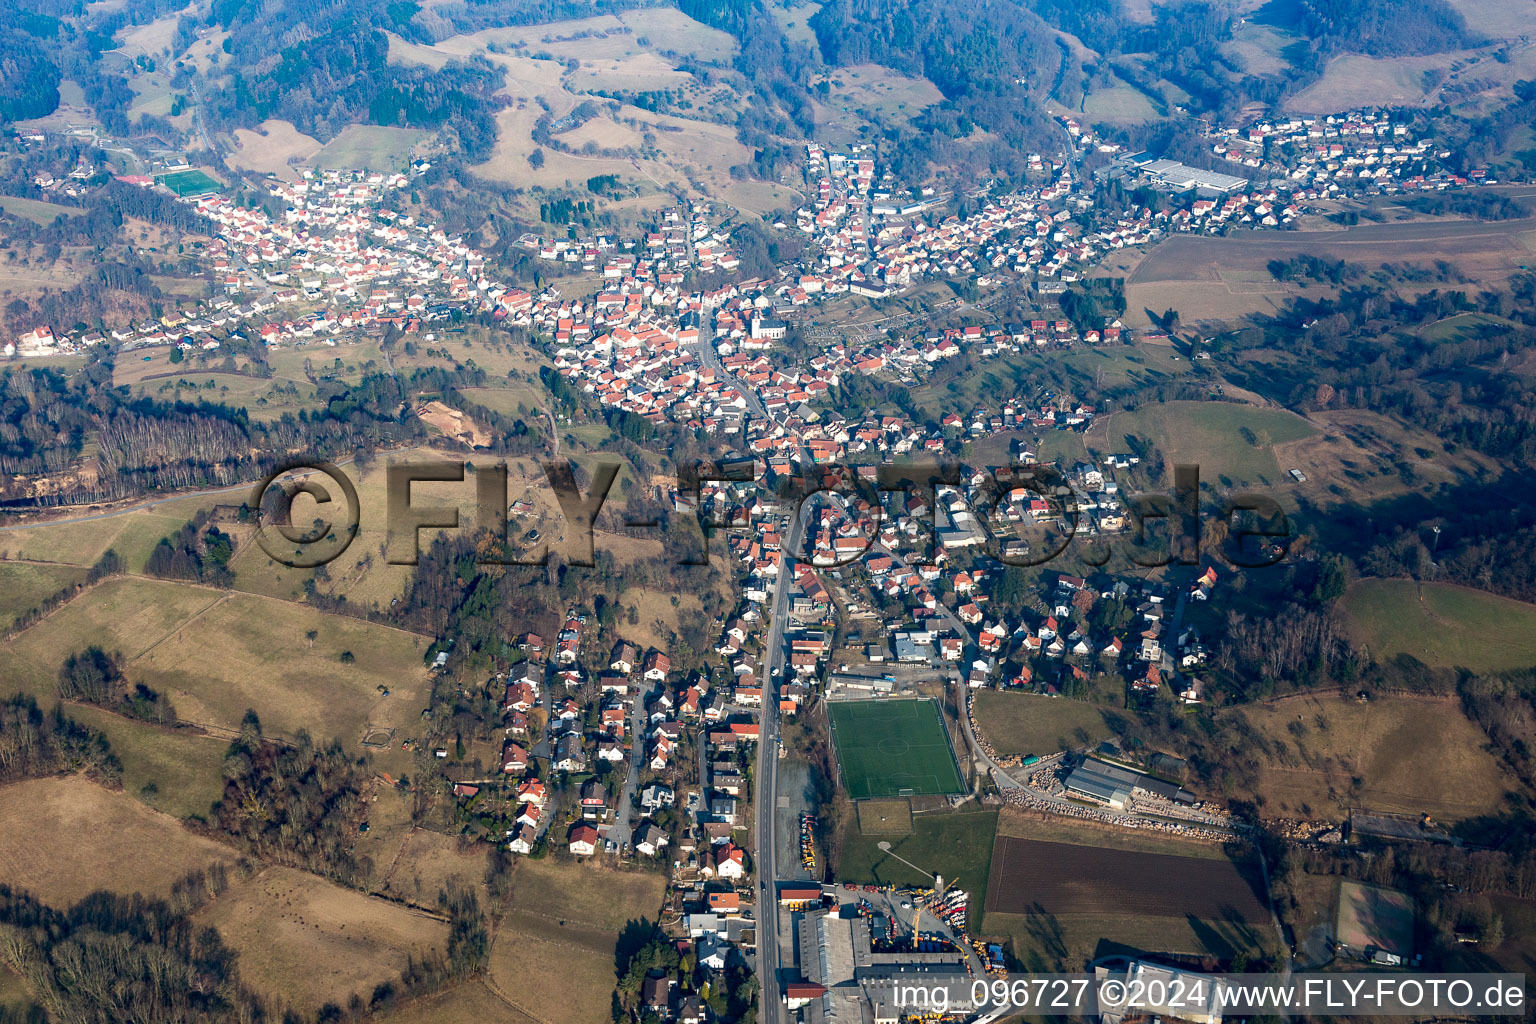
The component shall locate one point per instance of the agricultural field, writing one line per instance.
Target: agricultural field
(1063, 904)
(64, 838)
(304, 942)
(1021, 824)
(955, 845)
(369, 147)
(24, 584)
(893, 748)
(1019, 724)
(1232, 444)
(1227, 278)
(1412, 754)
(1441, 624)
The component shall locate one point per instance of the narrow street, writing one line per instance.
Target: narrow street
(622, 831)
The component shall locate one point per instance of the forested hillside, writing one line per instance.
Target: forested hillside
(1382, 28)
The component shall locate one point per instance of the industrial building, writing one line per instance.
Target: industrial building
(1113, 785)
(1182, 177)
(847, 982)
(1164, 983)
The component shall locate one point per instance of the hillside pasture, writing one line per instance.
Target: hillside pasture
(132, 532)
(36, 210)
(368, 147)
(63, 838)
(425, 863)
(547, 976)
(470, 1001)
(304, 942)
(881, 93)
(274, 147)
(216, 653)
(1359, 456)
(661, 30)
(641, 72)
(150, 40)
(1019, 724)
(1353, 81)
(1233, 444)
(130, 616)
(177, 771)
(1120, 103)
(253, 652)
(23, 585)
(14, 993)
(1442, 625)
(553, 957)
(1411, 754)
(602, 900)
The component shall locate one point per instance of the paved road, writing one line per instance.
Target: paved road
(772, 1010)
(622, 831)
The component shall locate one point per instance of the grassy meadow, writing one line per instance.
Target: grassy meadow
(64, 838)
(1410, 755)
(304, 942)
(1020, 724)
(1232, 444)
(1441, 624)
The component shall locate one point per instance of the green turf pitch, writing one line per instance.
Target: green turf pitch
(189, 183)
(893, 748)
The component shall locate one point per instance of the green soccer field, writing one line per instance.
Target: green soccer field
(190, 183)
(893, 748)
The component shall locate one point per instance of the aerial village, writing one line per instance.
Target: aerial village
(665, 759)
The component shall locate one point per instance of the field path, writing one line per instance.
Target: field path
(224, 596)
